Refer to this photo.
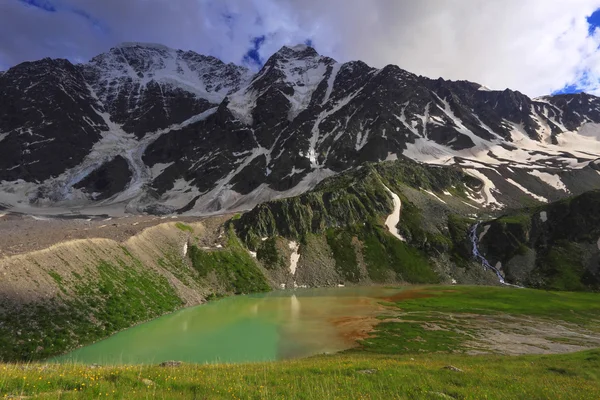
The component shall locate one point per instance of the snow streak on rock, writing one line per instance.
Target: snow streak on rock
(394, 218)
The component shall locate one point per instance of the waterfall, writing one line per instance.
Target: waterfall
(477, 255)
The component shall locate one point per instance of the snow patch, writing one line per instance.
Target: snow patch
(550, 179)
(434, 195)
(294, 246)
(544, 216)
(470, 205)
(159, 168)
(311, 152)
(201, 76)
(331, 81)
(526, 191)
(361, 140)
(394, 218)
(488, 186)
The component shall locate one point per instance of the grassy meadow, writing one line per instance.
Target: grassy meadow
(422, 349)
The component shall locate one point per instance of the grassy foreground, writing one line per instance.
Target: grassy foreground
(404, 359)
(347, 376)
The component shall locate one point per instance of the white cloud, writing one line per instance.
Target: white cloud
(535, 46)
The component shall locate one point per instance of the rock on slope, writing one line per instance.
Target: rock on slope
(184, 132)
(552, 246)
(555, 246)
(342, 236)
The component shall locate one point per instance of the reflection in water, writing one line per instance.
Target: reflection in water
(295, 308)
(278, 325)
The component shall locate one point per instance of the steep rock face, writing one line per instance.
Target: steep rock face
(48, 120)
(108, 180)
(553, 247)
(204, 156)
(150, 87)
(342, 219)
(202, 136)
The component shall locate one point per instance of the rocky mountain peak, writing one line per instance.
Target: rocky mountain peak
(298, 51)
(184, 131)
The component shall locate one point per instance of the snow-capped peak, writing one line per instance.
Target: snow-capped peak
(299, 51)
(141, 63)
(299, 47)
(155, 46)
(295, 72)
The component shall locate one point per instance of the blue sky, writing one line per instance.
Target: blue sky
(252, 56)
(579, 86)
(535, 46)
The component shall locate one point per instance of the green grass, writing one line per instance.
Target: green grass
(562, 267)
(184, 227)
(267, 254)
(236, 270)
(118, 297)
(346, 263)
(385, 252)
(572, 376)
(409, 337)
(579, 308)
(516, 219)
(410, 264)
(56, 276)
(458, 228)
(441, 318)
(404, 360)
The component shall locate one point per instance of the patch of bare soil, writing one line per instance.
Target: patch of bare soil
(353, 328)
(507, 334)
(516, 336)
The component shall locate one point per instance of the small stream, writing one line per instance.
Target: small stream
(481, 258)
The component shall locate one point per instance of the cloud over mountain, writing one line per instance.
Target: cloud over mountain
(535, 46)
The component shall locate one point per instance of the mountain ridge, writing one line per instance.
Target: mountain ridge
(201, 136)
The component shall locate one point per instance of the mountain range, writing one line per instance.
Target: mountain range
(145, 128)
(349, 175)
